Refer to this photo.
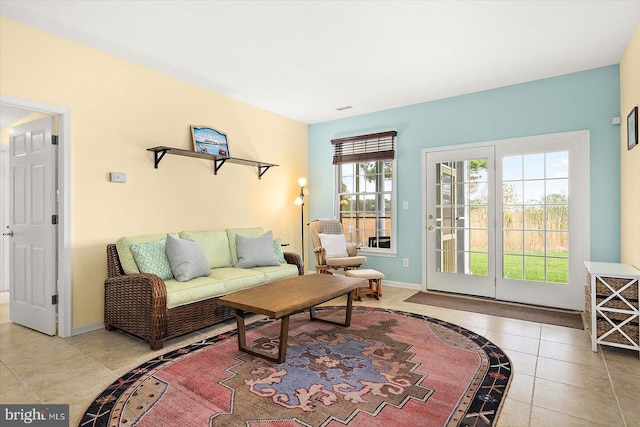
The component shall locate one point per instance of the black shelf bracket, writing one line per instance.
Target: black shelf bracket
(262, 170)
(217, 164)
(158, 155)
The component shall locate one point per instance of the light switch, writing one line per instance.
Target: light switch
(118, 177)
(405, 204)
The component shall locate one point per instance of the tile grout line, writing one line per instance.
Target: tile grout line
(535, 377)
(613, 388)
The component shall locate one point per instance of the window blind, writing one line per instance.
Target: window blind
(364, 148)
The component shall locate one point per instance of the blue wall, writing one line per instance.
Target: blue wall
(584, 100)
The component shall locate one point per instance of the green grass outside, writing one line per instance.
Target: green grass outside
(557, 268)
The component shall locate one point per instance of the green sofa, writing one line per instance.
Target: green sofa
(152, 304)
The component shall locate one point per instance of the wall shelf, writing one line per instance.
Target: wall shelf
(160, 151)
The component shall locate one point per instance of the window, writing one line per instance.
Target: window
(365, 194)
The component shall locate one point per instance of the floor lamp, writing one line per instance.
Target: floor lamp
(300, 202)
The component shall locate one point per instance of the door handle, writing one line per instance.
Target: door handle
(10, 234)
(430, 227)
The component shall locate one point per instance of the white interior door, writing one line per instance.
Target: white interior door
(460, 221)
(32, 233)
(4, 217)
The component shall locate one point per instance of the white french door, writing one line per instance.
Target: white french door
(460, 221)
(510, 219)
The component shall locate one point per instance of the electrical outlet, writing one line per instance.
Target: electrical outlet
(405, 262)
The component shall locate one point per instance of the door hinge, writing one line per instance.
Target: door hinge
(54, 139)
(54, 219)
(54, 299)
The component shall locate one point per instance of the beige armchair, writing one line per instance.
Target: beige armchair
(330, 248)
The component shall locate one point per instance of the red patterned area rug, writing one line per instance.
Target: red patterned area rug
(389, 368)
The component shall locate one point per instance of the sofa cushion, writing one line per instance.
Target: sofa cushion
(151, 258)
(255, 251)
(186, 259)
(277, 249)
(282, 271)
(231, 234)
(215, 245)
(236, 279)
(123, 246)
(198, 289)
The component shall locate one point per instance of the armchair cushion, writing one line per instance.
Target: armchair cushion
(335, 245)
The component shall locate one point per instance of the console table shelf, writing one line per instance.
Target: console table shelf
(611, 307)
(218, 161)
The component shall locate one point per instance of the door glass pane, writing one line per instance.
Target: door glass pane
(534, 192)
(512, 242)
(534, 268)
(536, 217)
(557, 165)
(512, 267)
(462, 217)
(512, 168)
(558, 270)
(534, 166)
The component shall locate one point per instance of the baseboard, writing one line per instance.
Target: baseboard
(403, 285)
(78, 330)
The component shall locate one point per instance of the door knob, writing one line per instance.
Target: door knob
(10, 234)
(430, 227)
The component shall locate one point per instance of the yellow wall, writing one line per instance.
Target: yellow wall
(118, 110)
(630, 159)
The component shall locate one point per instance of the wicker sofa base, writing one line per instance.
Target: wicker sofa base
(182, 320)
(137, 304)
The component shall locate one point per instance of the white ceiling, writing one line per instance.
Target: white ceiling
(305, 59)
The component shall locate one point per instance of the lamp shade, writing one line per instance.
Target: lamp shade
(302, 182)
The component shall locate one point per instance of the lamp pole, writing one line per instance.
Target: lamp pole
(300, 202)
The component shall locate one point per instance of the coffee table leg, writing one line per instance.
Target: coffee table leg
(284, 335)
(282, 345)
(242, 340)
(347, 317)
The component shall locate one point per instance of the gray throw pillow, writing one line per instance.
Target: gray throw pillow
(255, 251)
(186, 258)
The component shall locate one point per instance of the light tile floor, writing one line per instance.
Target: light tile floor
(558, 380)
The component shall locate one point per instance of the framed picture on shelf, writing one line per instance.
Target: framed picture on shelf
(632, 128)
(210, 141)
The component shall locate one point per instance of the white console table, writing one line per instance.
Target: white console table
(611, 311)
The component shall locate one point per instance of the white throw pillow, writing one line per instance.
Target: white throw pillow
(335, 245)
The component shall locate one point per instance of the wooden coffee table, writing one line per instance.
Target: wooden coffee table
(282, 298)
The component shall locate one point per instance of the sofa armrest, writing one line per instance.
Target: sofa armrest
(294, 258)
(137, 304)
